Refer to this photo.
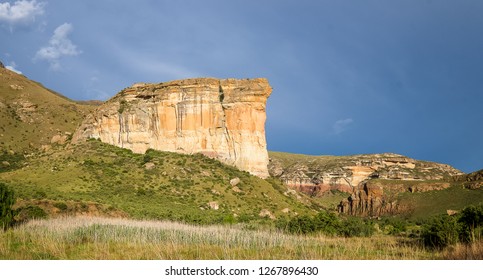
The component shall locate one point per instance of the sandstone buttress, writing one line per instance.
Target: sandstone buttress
(223, 119)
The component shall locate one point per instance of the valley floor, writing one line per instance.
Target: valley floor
(108, 238)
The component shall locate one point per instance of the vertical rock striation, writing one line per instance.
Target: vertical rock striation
(223, 119)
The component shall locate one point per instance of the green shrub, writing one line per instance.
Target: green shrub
(229, 219)
(60, 205)
(327, 223)
(466, 227)
(147, 157)
(300, 225)
(6, 201)
(352, 227)
(471, 221)
(393, 225)
(30, 212)
(10, 161)
(441, 232)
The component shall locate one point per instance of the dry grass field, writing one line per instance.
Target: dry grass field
(109, 238)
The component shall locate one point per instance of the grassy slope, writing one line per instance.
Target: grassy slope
(427, 204)
(23, 127)
(288, 159)
(178, 187)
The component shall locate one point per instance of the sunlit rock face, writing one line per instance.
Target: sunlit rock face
(221, 118)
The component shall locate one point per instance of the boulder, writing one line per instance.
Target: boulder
(265, 213)
(213, 205)
(235, 181)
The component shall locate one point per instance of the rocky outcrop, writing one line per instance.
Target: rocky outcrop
(223, 119)
(375, 198)
(368, 200)
(471, 181)
(1, 65)
(315, 175)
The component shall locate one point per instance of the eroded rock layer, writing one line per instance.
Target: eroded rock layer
(316, 175)
(223, 119)
(374, 198)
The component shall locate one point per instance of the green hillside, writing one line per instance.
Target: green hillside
(31, 115)
(158, 185)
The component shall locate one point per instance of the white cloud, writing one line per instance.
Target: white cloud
(12, 67)
(21, 12)
(59, 46)
(342, 125)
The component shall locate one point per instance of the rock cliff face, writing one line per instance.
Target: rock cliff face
(368, 200)
(315, 175)
(223, 119)
(470, 181)
(375, 198)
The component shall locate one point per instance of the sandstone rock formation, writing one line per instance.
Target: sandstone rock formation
(223, 119)
(374, 198)
(367, 200)
(471, 181)
(315, 175)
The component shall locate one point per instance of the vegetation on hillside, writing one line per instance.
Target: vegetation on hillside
(155, 185)
(6, 202)
(31, 115)
(465, 227)
(425, 205)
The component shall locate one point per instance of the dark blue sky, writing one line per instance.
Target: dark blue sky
(349, 77)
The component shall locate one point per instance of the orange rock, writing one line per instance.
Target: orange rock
(223, 119)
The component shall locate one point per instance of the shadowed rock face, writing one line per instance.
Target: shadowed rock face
(223, 119)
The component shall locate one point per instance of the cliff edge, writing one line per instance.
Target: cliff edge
(220, 118)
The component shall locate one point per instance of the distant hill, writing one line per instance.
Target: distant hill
(379, 184)
(318, 174)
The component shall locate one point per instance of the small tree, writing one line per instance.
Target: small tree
(6, 202)
(471, 219)
(441, 232)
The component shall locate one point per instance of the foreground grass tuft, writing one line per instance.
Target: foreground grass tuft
(108, 238)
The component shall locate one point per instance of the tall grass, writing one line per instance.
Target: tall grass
(471, 251)
(107, 238)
